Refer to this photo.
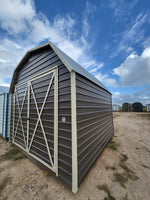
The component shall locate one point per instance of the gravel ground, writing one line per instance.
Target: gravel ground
(122, 172)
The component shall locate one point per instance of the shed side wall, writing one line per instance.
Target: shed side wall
(1, 113)
(94, 122)
(36, 64)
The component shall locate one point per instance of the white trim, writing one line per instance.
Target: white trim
(74, 134)
(39, 118)
(56, 122)
(49, 71)
(13, 117)
(28, 115)
(35, 157)
(60, 55)
(28, 91)
(19, 118)
(20, 110)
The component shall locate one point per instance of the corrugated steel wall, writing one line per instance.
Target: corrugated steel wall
(148, 107)
(37, 63)
(1, 113)
(137, 107)
(4, 106)
(126, 107)
(94, 122)
(115, 108)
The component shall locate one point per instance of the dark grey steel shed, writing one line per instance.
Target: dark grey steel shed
(4, 108)
(127, 107)
(137, 107)
(61, 115)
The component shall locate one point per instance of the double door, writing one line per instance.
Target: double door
(35, 118)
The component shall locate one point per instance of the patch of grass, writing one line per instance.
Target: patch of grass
(125, 198)
(47, 173)
(4, 183)
(110, 197)
(12, 154)
(104, 187)
(137, 148)
(110, 167)
(123, 166)
(144, 114)
(124, 157)
(145, 166)
(113, 145)
(122, 178)
(19, 157)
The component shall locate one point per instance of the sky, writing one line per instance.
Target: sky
(111, 39)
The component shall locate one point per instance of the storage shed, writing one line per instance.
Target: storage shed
(137, 107)
(148, 107)
(126, 107)
(61, 115)
(4, 107)
(115, 107)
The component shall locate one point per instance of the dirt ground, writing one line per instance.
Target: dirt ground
(122, 172)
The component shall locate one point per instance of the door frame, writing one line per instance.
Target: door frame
(53, 70)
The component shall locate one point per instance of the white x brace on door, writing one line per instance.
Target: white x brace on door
(35, 118)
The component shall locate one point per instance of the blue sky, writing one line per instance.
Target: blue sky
(111, 39)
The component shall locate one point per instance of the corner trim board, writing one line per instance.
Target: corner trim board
(74, 134)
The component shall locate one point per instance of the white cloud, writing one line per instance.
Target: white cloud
(16, 14)
(122, 8)
(95, 67)
(111, 82)
(134, 34)
(142, 97)
(144, 92)
(146, 42)
(135, 70)
(10, 54)
(105, 79)
(28, 28)
(101, 77)
(88, 12)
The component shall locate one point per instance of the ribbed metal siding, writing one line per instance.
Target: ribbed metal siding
(40, 62)
(94, 122)
(115, 107)
(4, 104)
(148, 107)
(1, 113)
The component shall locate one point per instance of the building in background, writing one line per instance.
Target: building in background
(4, 112)
(116, 107)
(148, 107)
(137, 107)
(127, 107)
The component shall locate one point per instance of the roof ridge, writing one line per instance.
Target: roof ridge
(71, 64)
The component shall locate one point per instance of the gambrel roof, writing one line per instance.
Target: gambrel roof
(68, 62)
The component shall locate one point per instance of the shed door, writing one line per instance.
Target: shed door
(35, 124)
